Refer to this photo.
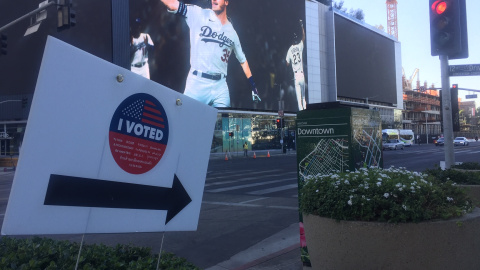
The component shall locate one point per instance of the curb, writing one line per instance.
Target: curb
(274, 246)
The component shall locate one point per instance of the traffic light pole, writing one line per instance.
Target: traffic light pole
(447, 113)
(31, 13)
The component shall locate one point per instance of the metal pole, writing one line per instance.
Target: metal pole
(447, 113)
(426, 125)
(3, 28)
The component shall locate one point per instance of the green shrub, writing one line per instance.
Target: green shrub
(48, 254)
(457, 176)
(385, 195)
(468, 166)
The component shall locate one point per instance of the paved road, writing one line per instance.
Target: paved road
(249, 215)
(423, 156)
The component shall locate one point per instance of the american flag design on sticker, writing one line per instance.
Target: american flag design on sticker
(138, 133)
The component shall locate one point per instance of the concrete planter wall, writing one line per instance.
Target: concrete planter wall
(450, 244)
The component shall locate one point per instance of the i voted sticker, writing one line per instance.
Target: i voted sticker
(138, 133)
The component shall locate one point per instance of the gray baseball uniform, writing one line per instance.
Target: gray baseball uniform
(295, 59)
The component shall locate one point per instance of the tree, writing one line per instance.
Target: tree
(358, 14)
(355, 13)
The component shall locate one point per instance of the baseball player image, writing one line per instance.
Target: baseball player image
(295, 59)
(212, 41)
(141, 43)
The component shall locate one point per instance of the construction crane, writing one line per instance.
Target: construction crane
(392, 23)
(407, 83)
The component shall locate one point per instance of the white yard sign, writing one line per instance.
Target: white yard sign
(104, 153)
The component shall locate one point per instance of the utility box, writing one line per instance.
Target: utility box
(334, 137)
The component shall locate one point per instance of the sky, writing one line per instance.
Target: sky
(414, 36)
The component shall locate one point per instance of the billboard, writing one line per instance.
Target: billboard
(220, 63)
(366, 62)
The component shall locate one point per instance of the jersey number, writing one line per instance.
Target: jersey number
(226, 55)
(296, 58)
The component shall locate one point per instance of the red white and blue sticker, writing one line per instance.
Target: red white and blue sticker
(138, 133)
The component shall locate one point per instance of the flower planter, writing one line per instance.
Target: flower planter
(444, 244)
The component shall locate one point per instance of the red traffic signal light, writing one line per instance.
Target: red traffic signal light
(448, 28)
(455, 86)
(279, 123)
(439, 6)
(230, 134)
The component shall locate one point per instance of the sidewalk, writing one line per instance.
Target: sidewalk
(278, 252)
(257, 153)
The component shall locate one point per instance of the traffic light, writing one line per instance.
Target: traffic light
(3, 44)
(230, 134)
(279, 123)
(448, 28)
(66, 15)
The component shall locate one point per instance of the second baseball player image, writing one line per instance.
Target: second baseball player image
(295, 59)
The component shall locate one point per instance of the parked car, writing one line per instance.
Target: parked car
(393, 145)
(440, 141)
(460, 141)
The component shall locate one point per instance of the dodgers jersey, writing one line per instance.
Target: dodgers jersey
(211, 43)
(295, 56)
(141, 53)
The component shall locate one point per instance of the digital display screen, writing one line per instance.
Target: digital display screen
(365, 63)
(203, 56)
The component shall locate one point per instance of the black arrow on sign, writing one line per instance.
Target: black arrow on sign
(85, 192)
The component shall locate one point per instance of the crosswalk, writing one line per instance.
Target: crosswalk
(274, 183)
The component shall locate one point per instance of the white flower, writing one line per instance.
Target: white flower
(316, 191)
(346, 182)
(379, 183)
(349, 202)
(386, 195)
(404, 207)
(449, 199)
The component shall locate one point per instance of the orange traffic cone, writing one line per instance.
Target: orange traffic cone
(268, 154)
(254, 156)
(226, 158)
